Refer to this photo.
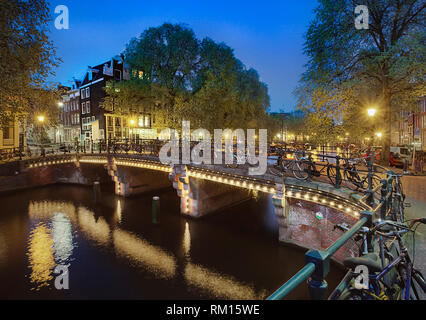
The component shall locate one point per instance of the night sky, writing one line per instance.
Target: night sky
(266, 35)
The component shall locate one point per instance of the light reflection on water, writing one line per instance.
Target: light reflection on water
(96, 230)
(152, 258)
(40, 256)
(221, 286)
(62, 238)
(51, 243)
(3, 249)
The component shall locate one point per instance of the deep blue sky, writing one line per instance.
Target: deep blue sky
(266, 35)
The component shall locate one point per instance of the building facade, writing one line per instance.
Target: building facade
(70, 127)
(410, 129)
(104, 124)
(12, 136)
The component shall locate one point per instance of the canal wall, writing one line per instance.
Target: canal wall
(24, 177)
(312, 226)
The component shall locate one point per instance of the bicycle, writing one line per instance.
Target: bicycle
(356, 179)
(396, 280)
(398, 200)
(293, 165)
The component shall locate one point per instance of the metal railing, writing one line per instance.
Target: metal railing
(318, 265)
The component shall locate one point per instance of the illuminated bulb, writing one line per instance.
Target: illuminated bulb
(331, 203)
(298, 195)
(306, 196)
(289, 193)
(323, 201)
(315, 198)
(348, 209)
(340, 206)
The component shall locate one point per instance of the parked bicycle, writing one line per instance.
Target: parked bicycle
(391, 274)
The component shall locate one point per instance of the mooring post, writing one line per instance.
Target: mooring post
(96, 191)
(155, 209)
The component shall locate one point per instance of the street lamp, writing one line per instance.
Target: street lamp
(40, 119)
(371, 112)
(60, 104)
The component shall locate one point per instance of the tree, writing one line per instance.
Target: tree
(27, 57)
(385, 61)
(180, 78)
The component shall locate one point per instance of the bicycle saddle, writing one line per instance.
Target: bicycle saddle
(370, 260)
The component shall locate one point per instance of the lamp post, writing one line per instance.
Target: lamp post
(371, 113)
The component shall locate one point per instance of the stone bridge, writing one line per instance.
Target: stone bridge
(306, 210)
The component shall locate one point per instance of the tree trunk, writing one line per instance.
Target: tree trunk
(387, 125)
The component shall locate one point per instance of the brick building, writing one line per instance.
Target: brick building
(410, 129)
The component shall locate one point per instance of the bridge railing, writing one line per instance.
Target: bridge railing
(151, 147)
(317, 266)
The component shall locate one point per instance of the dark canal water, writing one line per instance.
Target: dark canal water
(114, 252)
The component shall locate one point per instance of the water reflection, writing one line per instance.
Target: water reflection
(3, 249)
(186, 240)
(62, 238)
(221, 286)
(40, 256)
(48, 247)
(118, 211)
(97, 230)
(140, 251)
(44, 210)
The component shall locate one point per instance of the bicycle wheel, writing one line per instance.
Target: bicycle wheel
(352, 294)
(300, 170)
(332, 176)
(418, 286)
(275, 171)
(352, 178)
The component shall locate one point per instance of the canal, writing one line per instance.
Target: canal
(113, 251)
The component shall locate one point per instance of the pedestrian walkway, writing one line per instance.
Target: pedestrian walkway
(415, 187)
(418, 210)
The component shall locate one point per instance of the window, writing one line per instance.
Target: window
(6, 133)
(83, 95)
(83, 108)
(87, 107)
(117, 75)
(87, 92)
(93, 118)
